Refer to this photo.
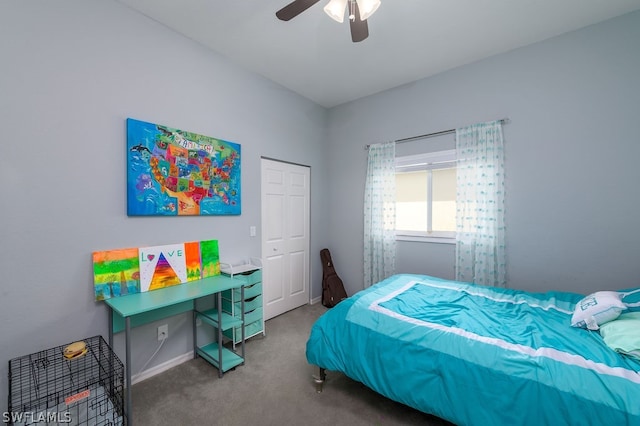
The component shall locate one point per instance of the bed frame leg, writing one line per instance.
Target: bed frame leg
(320, 379)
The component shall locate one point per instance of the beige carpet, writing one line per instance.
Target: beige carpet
(274, 387)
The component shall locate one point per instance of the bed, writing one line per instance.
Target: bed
(477, 355)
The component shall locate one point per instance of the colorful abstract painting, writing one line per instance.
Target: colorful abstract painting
(192, 260)
(210, 258)
(171, 172)
(116, 273)
(134, 270)
(162, 266)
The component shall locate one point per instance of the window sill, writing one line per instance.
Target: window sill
(420, 239)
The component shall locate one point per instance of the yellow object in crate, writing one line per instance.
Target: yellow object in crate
(75, 350)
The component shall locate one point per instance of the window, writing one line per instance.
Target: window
(426, 195)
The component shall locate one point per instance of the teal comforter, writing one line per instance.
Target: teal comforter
(477, 355)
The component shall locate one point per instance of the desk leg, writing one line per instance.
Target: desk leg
(127, 322)
(195, 332)
(112, 353)
(219, 308)
(111, 329)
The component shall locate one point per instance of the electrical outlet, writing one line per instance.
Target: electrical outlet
(163, 332)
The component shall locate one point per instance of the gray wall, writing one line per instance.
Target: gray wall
(572, 152)
(72, 72)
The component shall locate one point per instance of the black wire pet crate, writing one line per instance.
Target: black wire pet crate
(50, 388)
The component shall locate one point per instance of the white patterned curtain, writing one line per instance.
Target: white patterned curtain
(480, 230)
(380, 213)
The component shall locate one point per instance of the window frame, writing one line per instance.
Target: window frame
(427, 162)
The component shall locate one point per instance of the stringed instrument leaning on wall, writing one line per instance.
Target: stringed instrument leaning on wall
(332, 286)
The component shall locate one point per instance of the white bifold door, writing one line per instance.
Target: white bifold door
(285, 236)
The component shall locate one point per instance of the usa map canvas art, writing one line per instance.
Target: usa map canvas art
(172, 172)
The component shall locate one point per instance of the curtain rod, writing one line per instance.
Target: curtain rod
(440, 133)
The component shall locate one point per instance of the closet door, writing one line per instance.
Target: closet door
(285, 236)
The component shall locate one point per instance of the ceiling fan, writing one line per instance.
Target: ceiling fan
(359, 12)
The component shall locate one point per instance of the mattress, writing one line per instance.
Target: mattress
(477, 355)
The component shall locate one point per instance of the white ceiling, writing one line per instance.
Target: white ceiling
(409, 39)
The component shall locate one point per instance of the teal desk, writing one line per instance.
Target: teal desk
(141, 308)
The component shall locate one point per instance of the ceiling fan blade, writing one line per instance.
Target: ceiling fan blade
(359, 29)
(294, 8)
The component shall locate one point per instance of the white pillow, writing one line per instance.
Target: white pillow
(597, 308)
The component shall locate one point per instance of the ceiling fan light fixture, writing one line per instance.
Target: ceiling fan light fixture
(335, 9)
(367, 8)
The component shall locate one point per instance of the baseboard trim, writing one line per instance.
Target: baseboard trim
(160, 368)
